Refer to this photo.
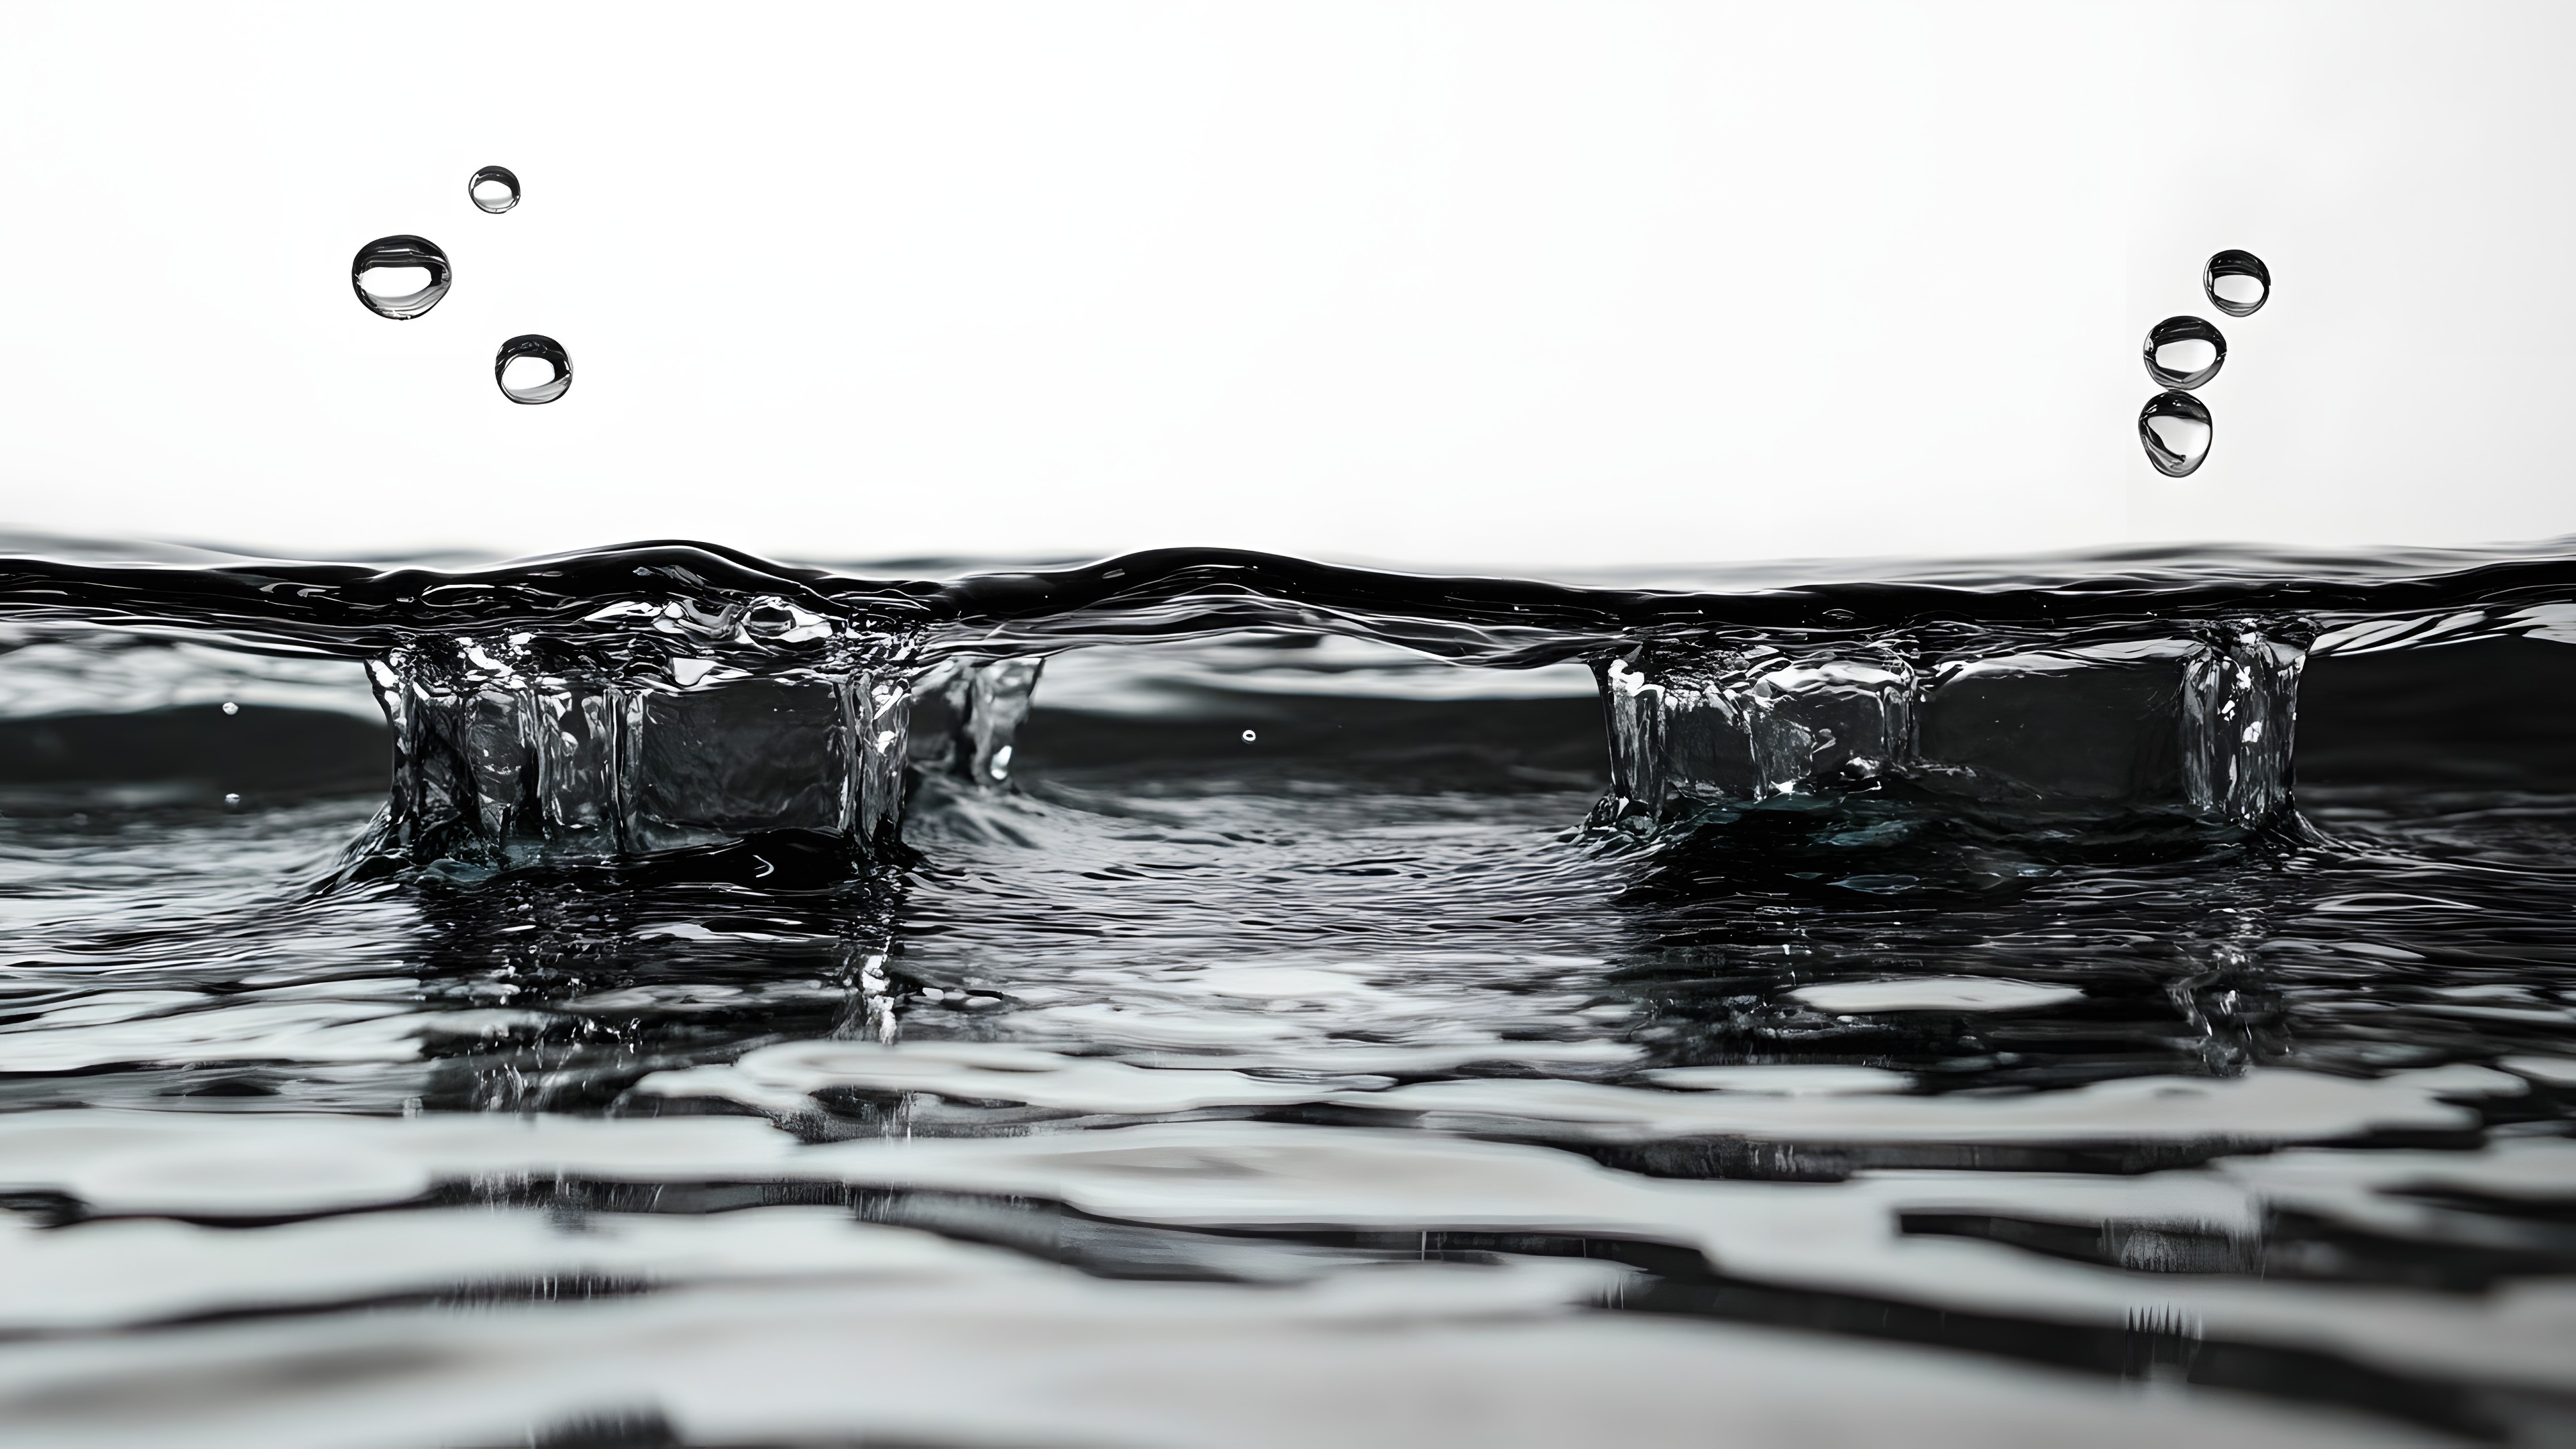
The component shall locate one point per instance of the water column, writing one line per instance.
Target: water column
(2196, 723)
(987, 702)
(677, 725)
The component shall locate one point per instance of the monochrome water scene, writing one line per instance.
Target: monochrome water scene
(1230, 794)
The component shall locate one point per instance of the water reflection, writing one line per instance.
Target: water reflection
(1331, 1091)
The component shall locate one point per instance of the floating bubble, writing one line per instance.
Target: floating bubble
(494, 188)
(532, 369)
(1249, 737)
(2184, 352)
(231, 708)
(2238, 283)
(399, 261)
(2175, 428)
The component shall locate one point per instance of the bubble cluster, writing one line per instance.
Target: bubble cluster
(403, 276)
(2183, 353)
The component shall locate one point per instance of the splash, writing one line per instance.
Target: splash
(636, 702)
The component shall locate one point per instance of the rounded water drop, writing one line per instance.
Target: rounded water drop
(2238, 283)
(390, 263)
(231, 708)
(2175, 428)
(494, 189)
(1249, 737)
(2184, 352)
(532, 369)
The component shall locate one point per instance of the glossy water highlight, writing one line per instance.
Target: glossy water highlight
(1213, 997)
(532, 369)
(2176, 430)
(2237, 283)
(410, 275)
(2184, 352)
(493, 189)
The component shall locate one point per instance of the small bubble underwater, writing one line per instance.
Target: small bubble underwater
(656, 996)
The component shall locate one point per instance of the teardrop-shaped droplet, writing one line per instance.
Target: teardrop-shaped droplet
(532, 369)
(2238, 283)
(2184, 352)
(2175, 428)
(494, 188)
(388, 265)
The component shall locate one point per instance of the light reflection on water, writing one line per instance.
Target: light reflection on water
(1329, 1088)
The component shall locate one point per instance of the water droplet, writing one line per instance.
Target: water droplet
(399, 261)
(494, 188)
(2184, 352)
(1249, 737)
(231, 708)
(532, 369)
(2238, 283)
(2176, 430)
(232, 799)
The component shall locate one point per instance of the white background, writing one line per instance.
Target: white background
(1449, 284)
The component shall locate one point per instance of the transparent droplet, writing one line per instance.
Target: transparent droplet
(2238, 283)
(494, 188)
(231, 708)
(389, 263)
(2175, 428)
(2184, 352)
(532, 369)
(1249, 737)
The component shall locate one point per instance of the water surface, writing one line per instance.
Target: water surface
(1297, 1039)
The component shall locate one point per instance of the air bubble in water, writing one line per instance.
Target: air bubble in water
(231, 708)
(1249, 737)
(2184, 352)
(532, 369)
(2175, 428)
(400, 261)
(2238, 283)
(494, 188)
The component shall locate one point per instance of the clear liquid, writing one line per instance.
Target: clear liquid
(532, 370)
(400, 277)
(2184, 352)
(493, 189)
(2237, 283)
(2176, 431)
(1350, 1088)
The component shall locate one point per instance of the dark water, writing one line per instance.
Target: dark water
(2115, 1000)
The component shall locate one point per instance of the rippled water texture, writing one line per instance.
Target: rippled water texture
(1931, 1006)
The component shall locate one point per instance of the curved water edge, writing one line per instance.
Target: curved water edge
(676, 700)
(358, 611)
